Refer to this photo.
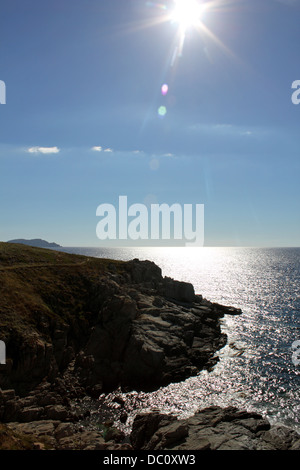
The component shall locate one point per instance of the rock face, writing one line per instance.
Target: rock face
(119, 324)
(213, 428)
(135, 328)
(150, 331)
(47, 419)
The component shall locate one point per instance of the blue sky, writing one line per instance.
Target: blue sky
(81, 126)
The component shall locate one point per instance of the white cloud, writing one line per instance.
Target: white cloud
(98, 148)
(44, 150)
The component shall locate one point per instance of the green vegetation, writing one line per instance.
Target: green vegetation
(37, 282)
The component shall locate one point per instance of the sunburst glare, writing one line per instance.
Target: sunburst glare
(185, 16)
(187, 13)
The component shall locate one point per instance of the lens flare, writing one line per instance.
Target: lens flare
(162, 111)
(186, 15)
(164, 89)
(156, 5)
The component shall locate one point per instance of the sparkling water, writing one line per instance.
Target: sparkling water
(255, 371)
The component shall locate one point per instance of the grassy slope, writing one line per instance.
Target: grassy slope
(41, 287)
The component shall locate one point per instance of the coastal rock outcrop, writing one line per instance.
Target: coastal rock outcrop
(44, 420)
(120, 323)
(213, 428)
(76, 327)
(150, 331)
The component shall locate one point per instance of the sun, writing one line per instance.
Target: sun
(187, 13)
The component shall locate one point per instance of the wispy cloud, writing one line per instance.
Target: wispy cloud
(246, 133)
(221, 129)
(43, 150)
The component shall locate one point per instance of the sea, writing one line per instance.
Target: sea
(259, 368)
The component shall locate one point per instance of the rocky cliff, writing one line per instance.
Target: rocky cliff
(75, 326)
(118, 323)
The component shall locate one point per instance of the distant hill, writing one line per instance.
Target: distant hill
(37, 242)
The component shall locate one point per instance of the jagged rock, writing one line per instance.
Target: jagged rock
(52, 434)
(6, 395)
(149, 332)
(32, 413)
(145, 426)
(146, 330)
(213, 428)
(182, 291)
(281, 438)
(56, 412)
(144, 271)
(63, 430)
(114, 434)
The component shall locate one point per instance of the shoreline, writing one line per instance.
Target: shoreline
(142, 331)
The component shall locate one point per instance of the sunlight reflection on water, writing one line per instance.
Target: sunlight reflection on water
(255, 370)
